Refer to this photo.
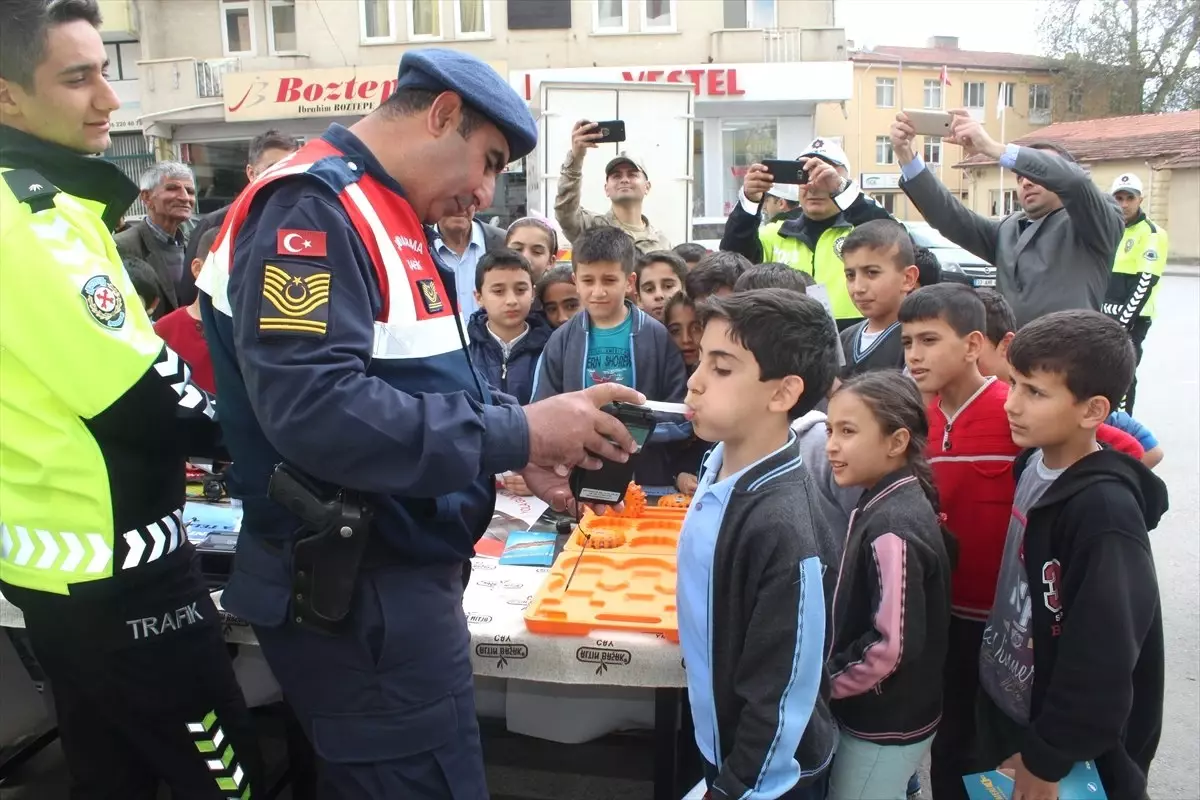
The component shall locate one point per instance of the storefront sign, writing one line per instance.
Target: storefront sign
(880, 180)
(707, 82)
(792, 83)
(288, 94)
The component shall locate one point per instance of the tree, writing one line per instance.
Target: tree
(1145, 51)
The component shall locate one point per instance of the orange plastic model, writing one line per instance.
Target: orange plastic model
(675, 501)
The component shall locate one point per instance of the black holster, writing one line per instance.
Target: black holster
(325, 561)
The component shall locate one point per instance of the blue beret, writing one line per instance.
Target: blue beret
(439, 70)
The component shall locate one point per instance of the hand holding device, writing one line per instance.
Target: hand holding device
(930, 123)
(611, 131)
(607, 485)
(786, 171)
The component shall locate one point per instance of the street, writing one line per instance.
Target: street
(1169, 403)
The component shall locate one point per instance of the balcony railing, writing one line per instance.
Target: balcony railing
(781, 44)
(209, 73)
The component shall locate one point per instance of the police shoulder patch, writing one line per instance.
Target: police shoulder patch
(838, 245)
(1128, 245)
(1150, 255)
(295, 299)
(104, 301)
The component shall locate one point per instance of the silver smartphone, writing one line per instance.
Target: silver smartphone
(930, 123)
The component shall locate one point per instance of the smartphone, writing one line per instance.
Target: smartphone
(607, 485)
(612, 130)
(786, 171)
(930, 123)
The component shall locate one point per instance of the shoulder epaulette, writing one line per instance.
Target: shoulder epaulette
(31, 188)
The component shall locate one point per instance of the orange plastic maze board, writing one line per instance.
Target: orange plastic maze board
(613, 591)
(656, 531)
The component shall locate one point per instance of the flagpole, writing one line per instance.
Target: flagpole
(1001, 106)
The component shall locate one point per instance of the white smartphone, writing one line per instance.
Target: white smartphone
(930, 123)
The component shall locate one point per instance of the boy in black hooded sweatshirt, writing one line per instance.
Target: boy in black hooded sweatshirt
(1072, 660)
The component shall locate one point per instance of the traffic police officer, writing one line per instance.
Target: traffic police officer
(808, 238)
(338, 351)
(1137, 269)
(96, 416)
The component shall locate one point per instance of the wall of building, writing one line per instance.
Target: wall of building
(860, 121)
(1184, 193)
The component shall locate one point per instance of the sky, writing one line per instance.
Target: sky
(1008, 26)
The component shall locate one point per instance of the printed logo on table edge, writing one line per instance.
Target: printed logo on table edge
(293, 302)
(838, 245)
(429, 296)
(295, 242)
(603, 657)
(478, 619)
(104, 301)
(502, 652)
(1128, 245)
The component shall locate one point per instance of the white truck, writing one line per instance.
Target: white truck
(658, 125)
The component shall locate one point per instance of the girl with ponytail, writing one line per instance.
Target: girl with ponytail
(891, 608)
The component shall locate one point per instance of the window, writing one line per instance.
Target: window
(281, 26)
(424, 19)
(237, 29)
(473, 19)
(659, 15)
(539, 15)
(122, 60)
(610, 16)
(749, 13)
(1039, 97)
(1039, 103)
(885, 92)
(1075, 100)
(887, 200)
(933, 93)
(933, 150)
(1009, 205)
(377, 20)
(974, 94)
(744, 142)
(1009, 91)
(884, 154)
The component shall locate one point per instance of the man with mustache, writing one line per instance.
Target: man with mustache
(1056, 253)
(461, 241)
(169, 191)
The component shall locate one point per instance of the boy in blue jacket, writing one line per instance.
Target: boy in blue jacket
(505, 339)
(611, 340)
(756, 557)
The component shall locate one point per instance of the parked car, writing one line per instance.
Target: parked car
(956, 262)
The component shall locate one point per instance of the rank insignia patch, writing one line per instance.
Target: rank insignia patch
(295, 299)
(430, 296)
(104, 301)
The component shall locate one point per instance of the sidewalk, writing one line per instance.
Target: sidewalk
(1183, 269)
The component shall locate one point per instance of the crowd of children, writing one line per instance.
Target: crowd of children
(885, 521)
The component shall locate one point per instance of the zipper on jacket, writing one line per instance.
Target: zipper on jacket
(950, 418)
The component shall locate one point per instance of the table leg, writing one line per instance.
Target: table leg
(667, 704)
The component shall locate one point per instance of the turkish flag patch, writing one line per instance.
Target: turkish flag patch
(291, 242)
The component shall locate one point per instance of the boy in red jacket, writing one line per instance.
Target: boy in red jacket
(183, 331)
(972, 451)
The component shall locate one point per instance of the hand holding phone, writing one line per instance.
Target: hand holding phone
(786, 171)
(611, 131)
(930, 123)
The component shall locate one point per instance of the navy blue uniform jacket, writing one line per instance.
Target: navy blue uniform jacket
(512, 375)
(421, 437)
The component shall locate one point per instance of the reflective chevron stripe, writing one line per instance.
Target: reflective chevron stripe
(173, 369)
(161, 537)
(89, 553)
(40, 549)
(219, 757)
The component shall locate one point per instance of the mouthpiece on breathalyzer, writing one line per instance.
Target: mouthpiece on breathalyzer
(564, 527)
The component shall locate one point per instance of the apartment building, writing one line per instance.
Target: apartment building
(1014, 95)
(214, 73)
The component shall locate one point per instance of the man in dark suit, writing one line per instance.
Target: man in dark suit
(461, 242)
(168, 189)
